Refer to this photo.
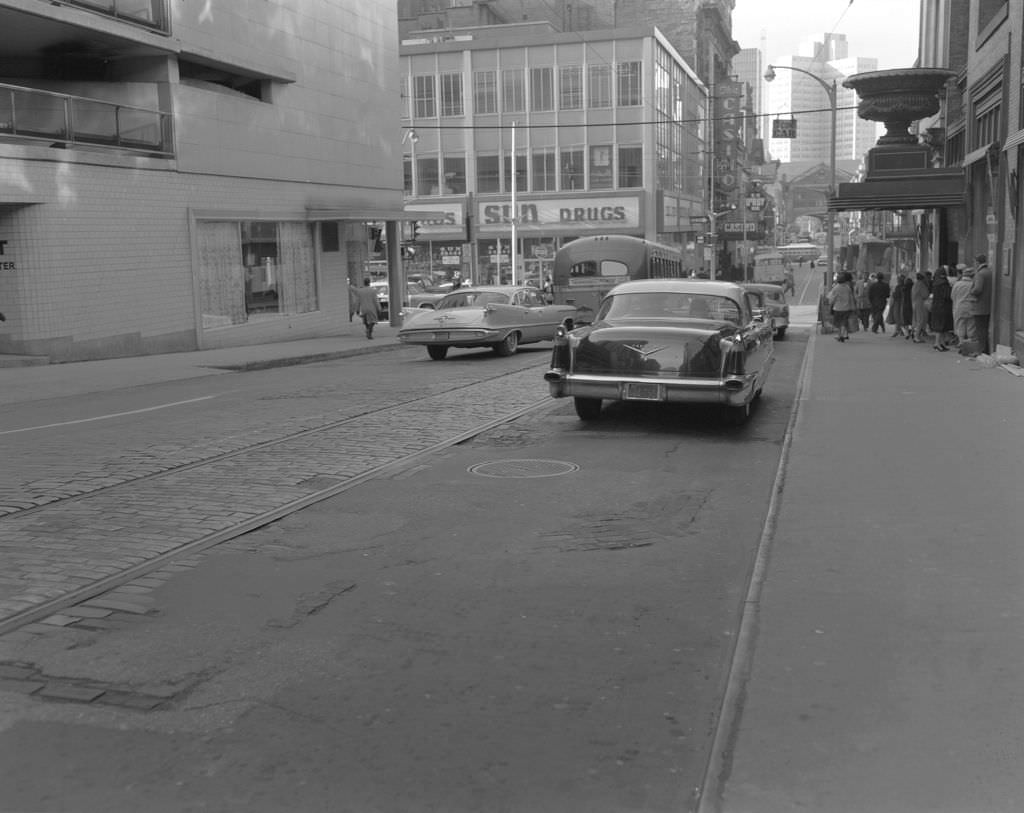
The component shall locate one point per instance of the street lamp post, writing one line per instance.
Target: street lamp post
(830, 218)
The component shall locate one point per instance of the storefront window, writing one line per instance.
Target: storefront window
(427, 178)
(544, 170)
(599, 90)
(601, 167)
(253, 269)
(572, 169)
(631, 167)
(514, 87)
(454, 175)
(521, 176)
(488, 174)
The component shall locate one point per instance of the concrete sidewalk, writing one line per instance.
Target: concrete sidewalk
(879, 666)
(31, 383)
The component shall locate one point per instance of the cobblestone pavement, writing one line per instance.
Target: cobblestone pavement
(65, 540)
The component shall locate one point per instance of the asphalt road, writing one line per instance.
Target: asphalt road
(550, 632)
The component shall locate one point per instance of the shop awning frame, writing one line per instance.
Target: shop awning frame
(941, 188)
(367, 213)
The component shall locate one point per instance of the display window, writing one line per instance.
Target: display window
(255, 269)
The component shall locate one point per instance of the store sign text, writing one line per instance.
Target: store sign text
(6, 264)
(575, 214)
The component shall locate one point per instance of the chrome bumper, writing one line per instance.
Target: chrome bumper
(732, 390)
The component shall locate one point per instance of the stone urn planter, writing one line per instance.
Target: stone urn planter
(897, 98)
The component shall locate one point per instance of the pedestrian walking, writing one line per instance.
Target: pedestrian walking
(788, 282)
(878, 296)
(860, 291)
(940, 316)
(981, 301)
(368, 307)
(963, 321)
(900, 308)
(843, 305)
(919, 293)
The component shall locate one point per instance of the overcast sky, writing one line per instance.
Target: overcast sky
(884, 29)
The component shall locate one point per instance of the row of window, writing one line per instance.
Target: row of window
(542, 170)
(521, 90)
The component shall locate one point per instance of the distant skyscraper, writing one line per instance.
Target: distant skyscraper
(793, 92)
(749, 66)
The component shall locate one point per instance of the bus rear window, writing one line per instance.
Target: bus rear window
(604, 268)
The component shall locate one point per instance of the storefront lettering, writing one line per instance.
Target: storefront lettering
(587, 214)
(447, 219)
(7, 265)
(562, 215)
(502, 213)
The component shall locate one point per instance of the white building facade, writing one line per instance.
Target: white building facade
(200, 176)
(607, 129)
(795, 95)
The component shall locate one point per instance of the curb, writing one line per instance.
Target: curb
(290, 361)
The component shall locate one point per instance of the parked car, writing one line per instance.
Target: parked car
(381, 287)
(775, 301)
(667, 340)
(421, 295)
(501, 317)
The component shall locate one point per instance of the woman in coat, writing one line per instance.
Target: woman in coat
(940, 319)
(843, 303)
(919, 294)
(898, 307)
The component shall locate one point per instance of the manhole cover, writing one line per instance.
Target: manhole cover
(523, 468)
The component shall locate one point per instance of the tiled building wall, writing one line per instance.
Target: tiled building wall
(104, 263)
(326, 125)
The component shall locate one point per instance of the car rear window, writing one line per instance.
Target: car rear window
(472, 299)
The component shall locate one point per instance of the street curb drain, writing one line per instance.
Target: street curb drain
(523, 468)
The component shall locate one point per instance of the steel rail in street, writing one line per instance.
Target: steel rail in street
(293, 446)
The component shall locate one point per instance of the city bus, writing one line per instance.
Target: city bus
(587, 268)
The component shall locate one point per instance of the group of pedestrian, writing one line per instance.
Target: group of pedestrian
(949, 306)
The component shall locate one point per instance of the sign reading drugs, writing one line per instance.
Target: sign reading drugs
(784, 128)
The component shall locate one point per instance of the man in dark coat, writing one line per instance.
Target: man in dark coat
(878, 297)
(981, 301)
(369, 307)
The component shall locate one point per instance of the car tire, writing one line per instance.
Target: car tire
(508, 345)
(737, 415)
(437, 352)
(780, 333)
(588, 409)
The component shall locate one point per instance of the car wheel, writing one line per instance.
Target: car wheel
(780, 333)
(588, 409)
(437, 351)
(508, 345)
(737, 415)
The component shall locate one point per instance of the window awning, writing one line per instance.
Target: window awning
(368, 213)
(925, 192)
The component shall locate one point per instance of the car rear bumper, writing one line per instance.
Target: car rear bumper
(463, 337)
(732, 391)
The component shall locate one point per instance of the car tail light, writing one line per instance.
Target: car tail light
(735, 359)
(561, 355)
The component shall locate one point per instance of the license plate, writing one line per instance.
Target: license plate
(643, 392)
(442, 335)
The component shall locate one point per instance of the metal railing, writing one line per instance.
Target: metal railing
(149, 13)
(46, 116)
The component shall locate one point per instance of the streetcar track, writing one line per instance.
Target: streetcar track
(266, 444)
(72, 595)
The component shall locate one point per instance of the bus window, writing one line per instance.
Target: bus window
(588, 268)
(613, 268)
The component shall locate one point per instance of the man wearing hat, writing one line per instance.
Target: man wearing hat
(981, 301)
(963, 321)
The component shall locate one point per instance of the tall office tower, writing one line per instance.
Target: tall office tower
(749, 66)
(795, 95)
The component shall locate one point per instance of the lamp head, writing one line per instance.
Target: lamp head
(769, 74)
